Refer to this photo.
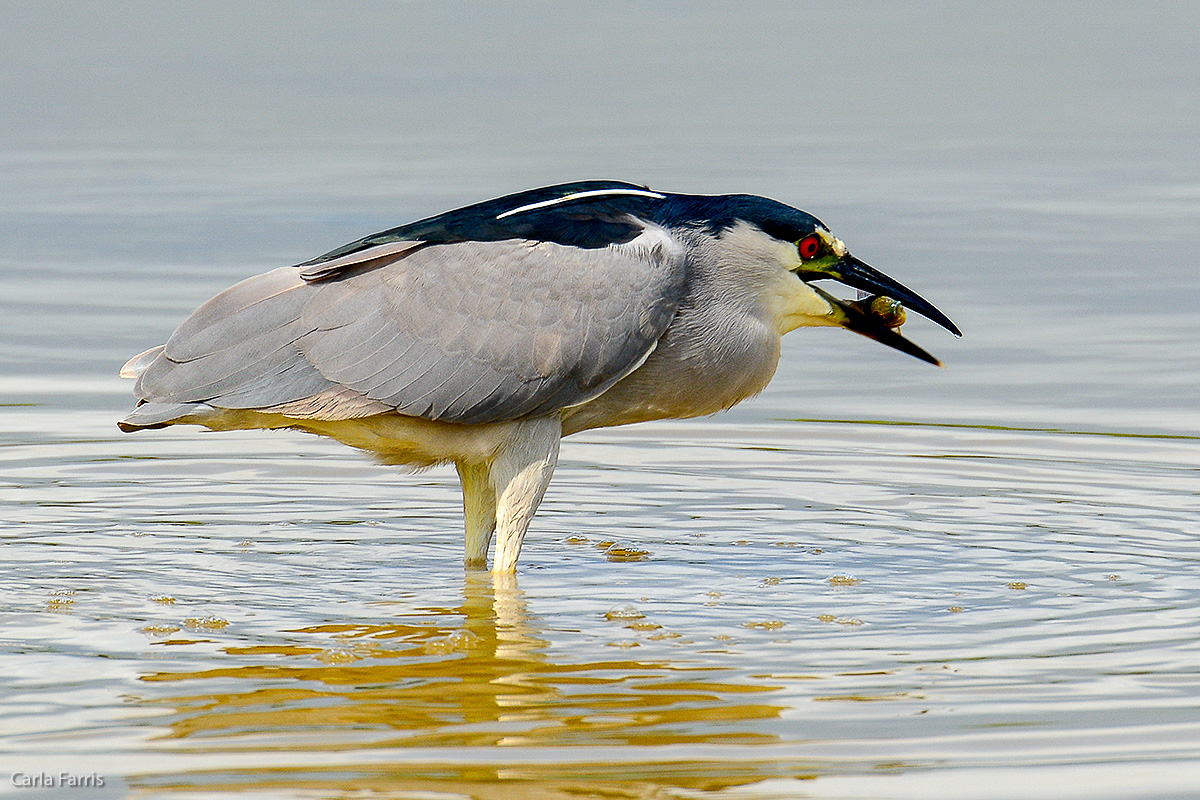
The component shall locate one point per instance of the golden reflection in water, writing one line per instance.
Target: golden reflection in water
(477, 676)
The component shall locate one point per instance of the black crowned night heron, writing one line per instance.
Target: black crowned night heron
(482, 336)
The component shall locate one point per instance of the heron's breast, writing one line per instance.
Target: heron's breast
(703, 364)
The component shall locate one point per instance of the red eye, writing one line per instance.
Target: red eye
(809, 246)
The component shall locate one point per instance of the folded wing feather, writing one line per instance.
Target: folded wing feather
(464, 332)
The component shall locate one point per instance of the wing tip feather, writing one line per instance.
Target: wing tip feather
(137, 365)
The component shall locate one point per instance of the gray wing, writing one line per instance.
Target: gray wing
(464, 332)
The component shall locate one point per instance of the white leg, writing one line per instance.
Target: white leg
(479, 510)
(521, 471)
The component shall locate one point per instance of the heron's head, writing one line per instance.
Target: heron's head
(806, 248)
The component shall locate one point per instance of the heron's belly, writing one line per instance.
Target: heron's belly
(394, 438)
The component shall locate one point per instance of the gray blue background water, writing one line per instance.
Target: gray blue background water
(876, 580)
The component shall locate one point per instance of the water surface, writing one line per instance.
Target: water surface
(876, 580)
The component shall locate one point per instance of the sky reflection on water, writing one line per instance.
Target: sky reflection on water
(875, 580)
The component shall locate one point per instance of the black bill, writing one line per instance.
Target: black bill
(852, 272)
(858, 316)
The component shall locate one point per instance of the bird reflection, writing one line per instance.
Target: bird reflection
(477, 676)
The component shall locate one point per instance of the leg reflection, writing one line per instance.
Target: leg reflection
(507, 660)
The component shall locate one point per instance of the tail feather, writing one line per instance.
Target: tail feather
(160, 415)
